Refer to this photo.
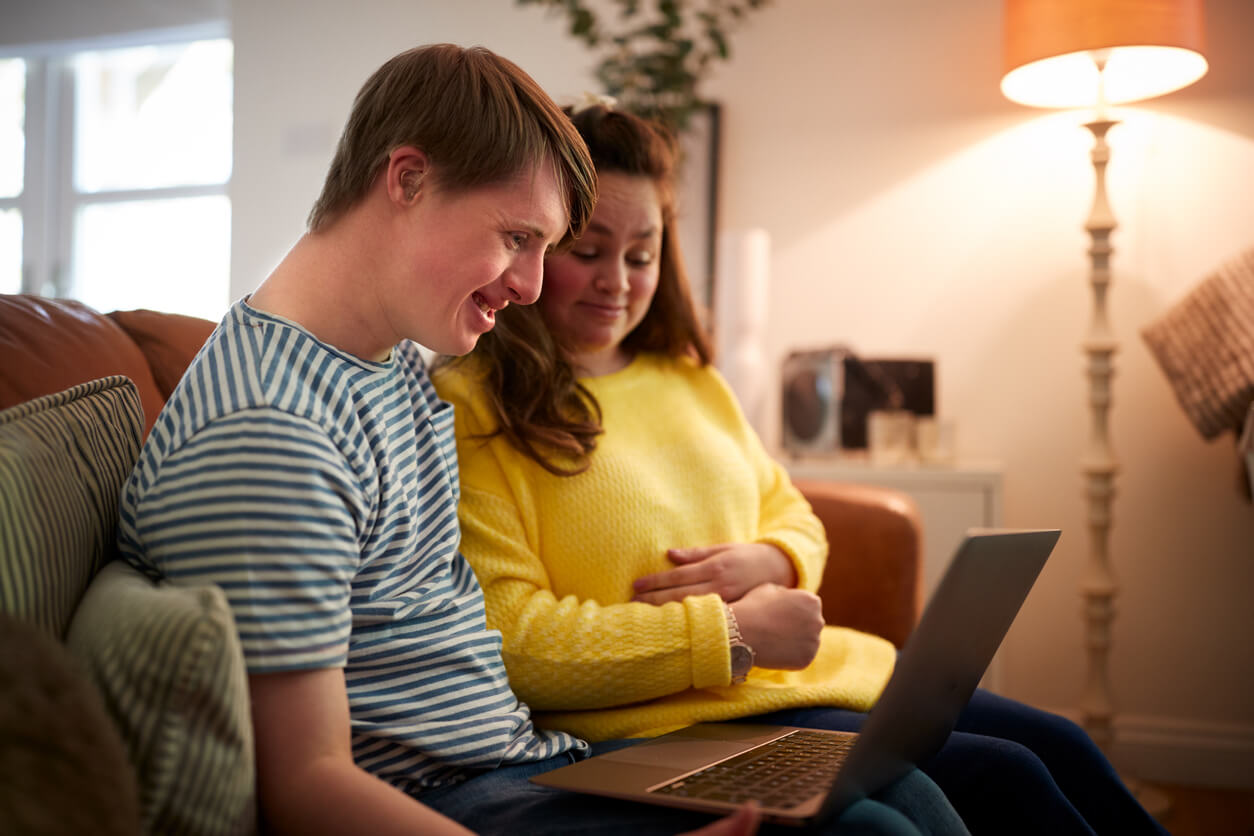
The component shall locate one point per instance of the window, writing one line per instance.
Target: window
(114, 168)
(12, 157)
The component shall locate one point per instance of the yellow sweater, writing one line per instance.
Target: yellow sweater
(678, 465)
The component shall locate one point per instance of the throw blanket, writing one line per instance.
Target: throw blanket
(1246, 448)
(1205, 345)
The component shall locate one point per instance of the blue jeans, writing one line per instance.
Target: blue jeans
(503, 801)
(1010, 768)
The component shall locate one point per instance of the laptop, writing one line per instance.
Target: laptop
(716, 767)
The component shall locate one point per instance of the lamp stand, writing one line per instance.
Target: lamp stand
(1100, 466)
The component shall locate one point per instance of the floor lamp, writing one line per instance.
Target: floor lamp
(1094, 53)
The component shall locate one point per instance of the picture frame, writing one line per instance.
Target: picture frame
(697, 201)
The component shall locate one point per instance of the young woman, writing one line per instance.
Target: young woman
(632, 535)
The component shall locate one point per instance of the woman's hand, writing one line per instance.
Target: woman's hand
(728, 569)
(781, 625)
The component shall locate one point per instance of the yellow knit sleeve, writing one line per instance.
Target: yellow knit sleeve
(790, 524)
(571, 653)
(566, 652)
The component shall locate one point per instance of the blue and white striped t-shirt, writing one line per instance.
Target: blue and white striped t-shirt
(319, 491)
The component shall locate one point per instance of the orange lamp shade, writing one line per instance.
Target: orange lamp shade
(1052, 49)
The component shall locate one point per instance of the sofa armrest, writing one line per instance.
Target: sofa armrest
(169, 342)
(872, 578)
(49, 345)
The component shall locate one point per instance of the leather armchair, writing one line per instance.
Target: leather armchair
(873, 577)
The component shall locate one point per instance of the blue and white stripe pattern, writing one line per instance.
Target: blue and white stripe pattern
(319, 491)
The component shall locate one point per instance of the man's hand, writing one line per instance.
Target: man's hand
(729, 569)
(743, 822)
(781, 625)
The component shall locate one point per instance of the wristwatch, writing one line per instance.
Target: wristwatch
(742, 655)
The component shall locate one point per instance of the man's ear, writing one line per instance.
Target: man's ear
(407, 167)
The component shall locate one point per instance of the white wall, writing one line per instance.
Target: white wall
(915, 211)
(912, 210)
(26, 22)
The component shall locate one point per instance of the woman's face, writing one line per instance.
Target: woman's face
(595, 294)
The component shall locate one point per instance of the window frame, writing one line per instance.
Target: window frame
(49, 200)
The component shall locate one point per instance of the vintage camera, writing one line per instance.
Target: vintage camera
(829, 392)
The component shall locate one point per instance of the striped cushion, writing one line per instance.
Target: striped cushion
(63, 459)
(168, 661)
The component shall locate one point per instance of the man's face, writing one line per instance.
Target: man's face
(468, 254)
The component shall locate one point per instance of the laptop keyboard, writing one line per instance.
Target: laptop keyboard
(783, 773)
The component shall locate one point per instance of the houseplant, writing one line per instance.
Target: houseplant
(653, 57)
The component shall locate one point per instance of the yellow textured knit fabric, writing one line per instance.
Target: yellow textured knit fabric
(678, 465)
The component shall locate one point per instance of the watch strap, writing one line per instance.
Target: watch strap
(742, 655)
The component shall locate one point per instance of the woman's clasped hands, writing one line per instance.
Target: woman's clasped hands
(780, 623)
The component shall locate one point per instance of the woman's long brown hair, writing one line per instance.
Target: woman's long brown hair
(540, 406)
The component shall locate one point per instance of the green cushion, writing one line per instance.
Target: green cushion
(63, 460)
(168, 661)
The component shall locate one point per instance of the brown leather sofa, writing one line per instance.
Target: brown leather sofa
(127, 700)
(872, 580)
(48, 345)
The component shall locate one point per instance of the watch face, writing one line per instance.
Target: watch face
(741, 659)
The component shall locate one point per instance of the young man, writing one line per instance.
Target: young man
(306, 451)
(306, 466)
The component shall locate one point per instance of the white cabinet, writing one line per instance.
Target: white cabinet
(951, 499)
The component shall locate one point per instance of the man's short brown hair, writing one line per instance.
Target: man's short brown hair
(477, 116)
